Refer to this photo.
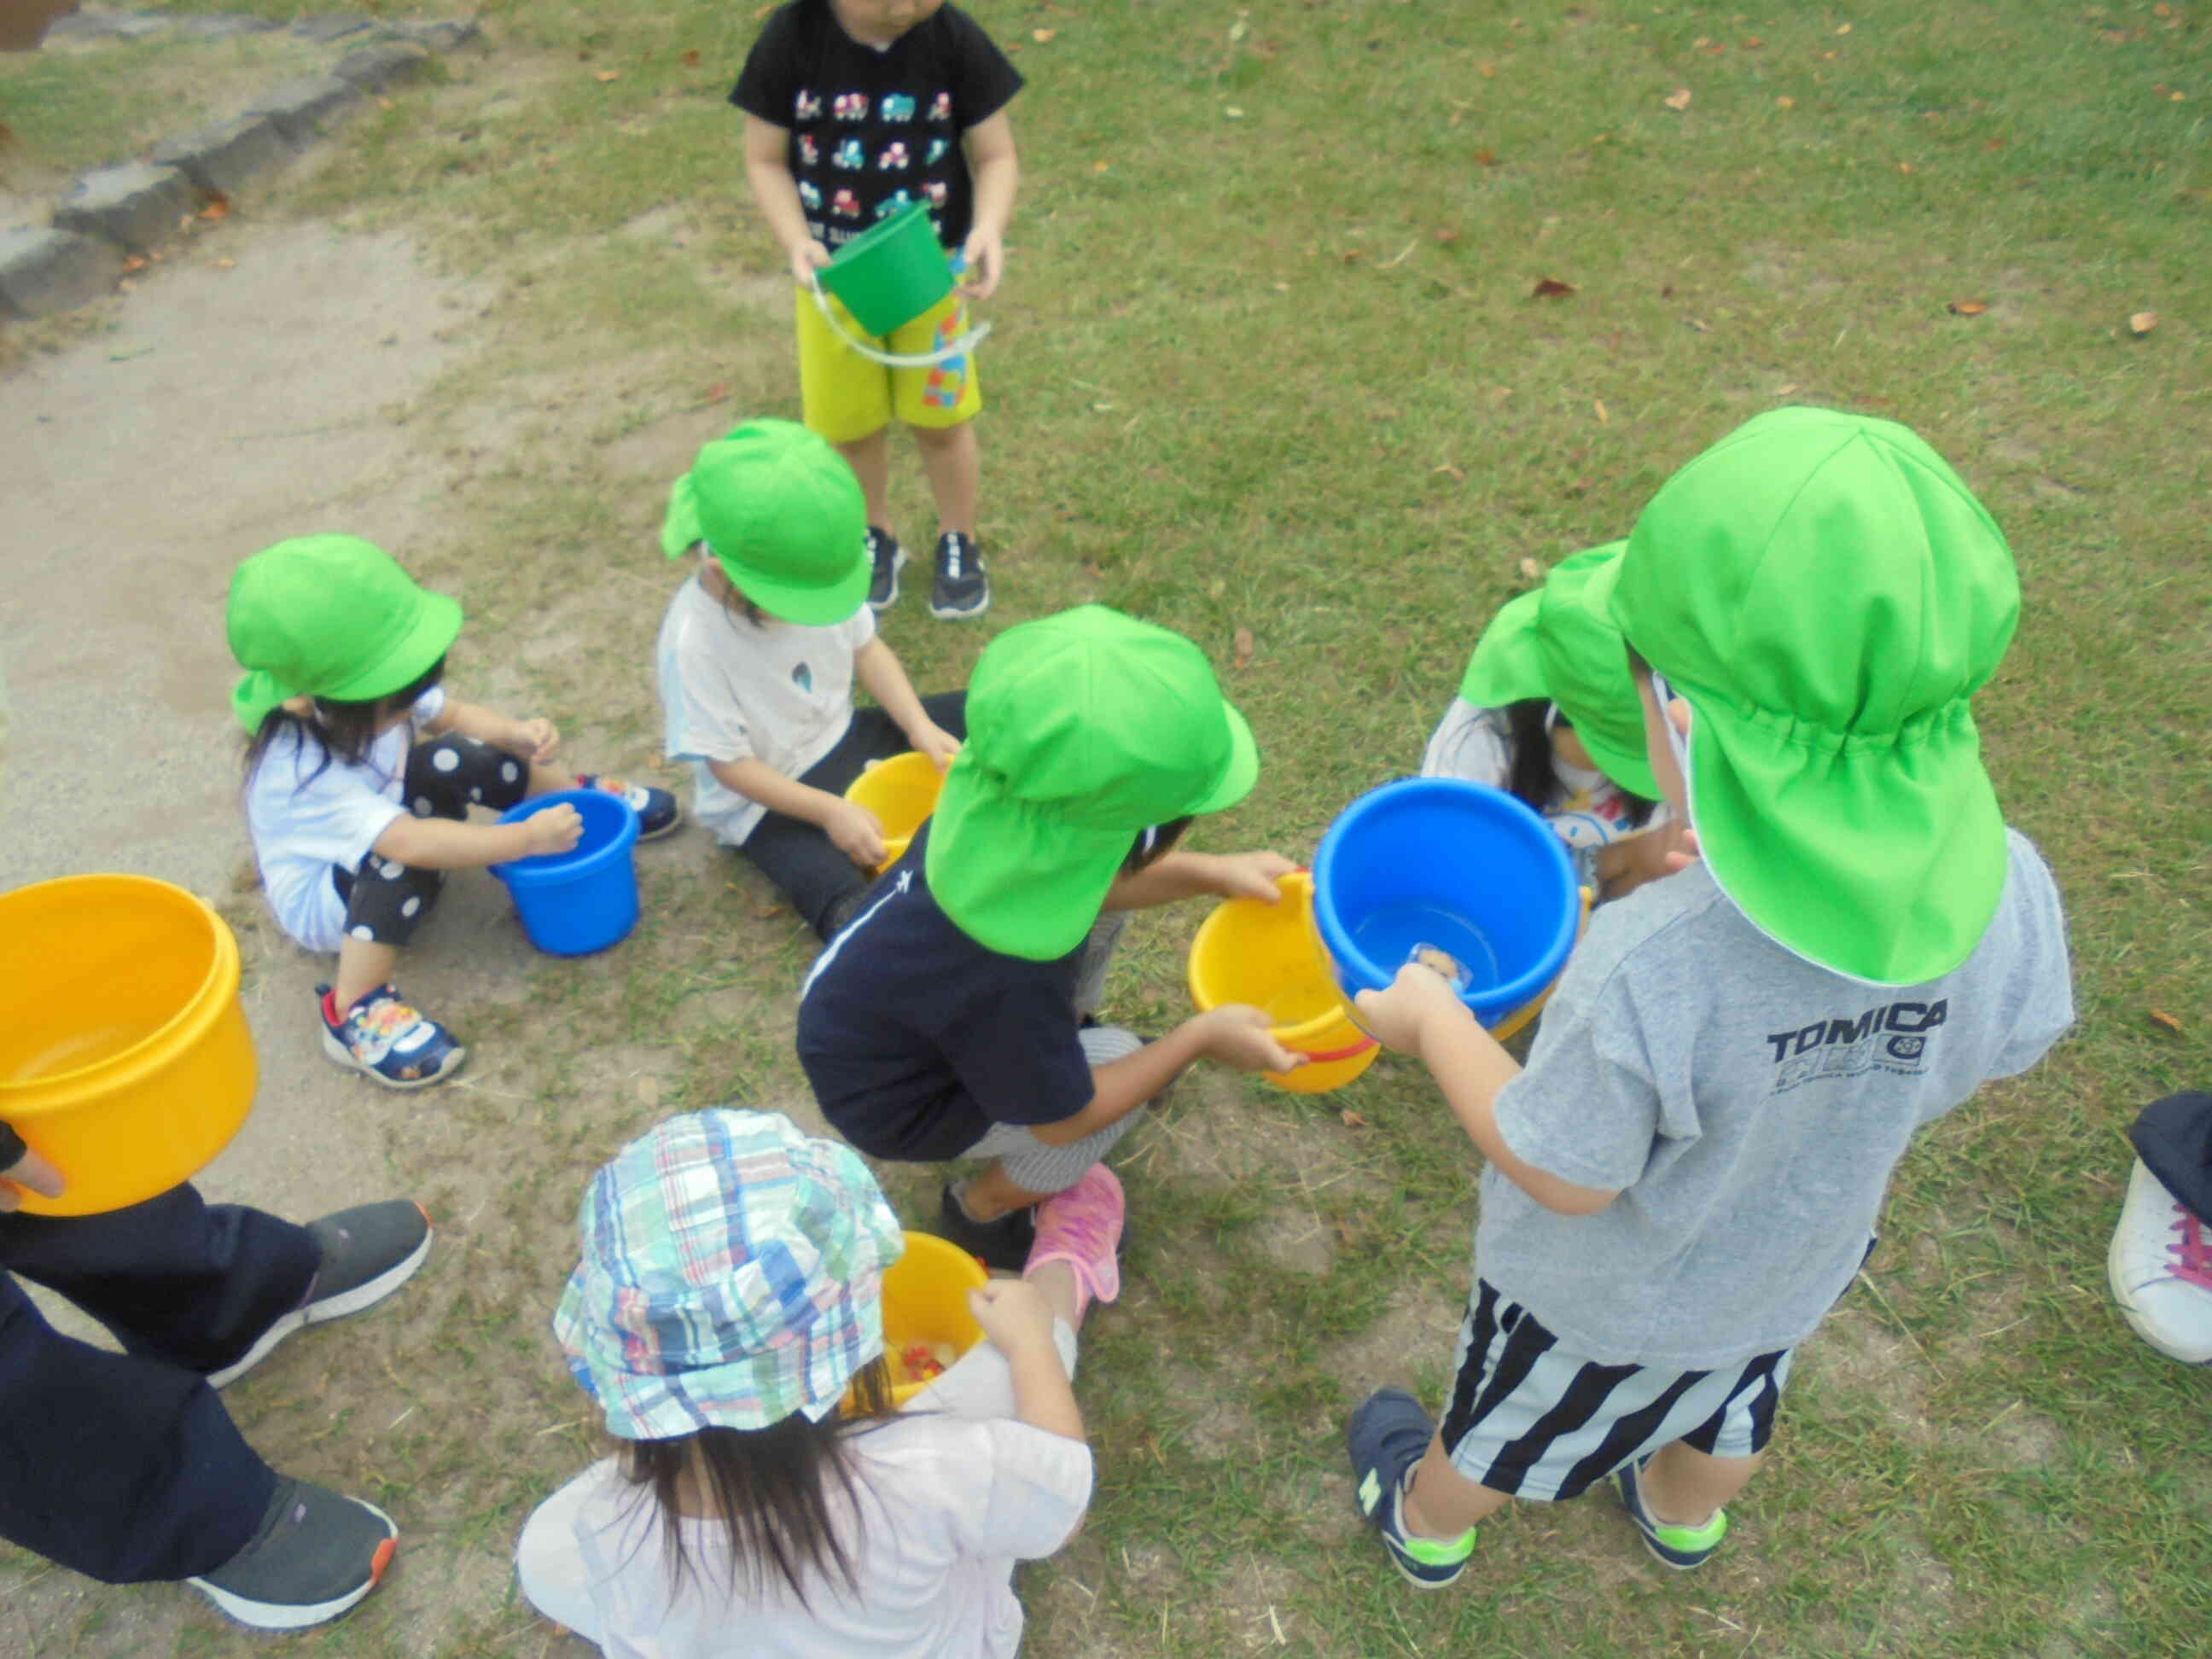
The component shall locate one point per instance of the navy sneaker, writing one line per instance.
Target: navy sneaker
(1679, 1548)
(886, 558)
(1388, 1434)
(961, 588)
(369, 1252)
(1005, 1243)
(316, 1553)
(658, 815)
(389, 1039)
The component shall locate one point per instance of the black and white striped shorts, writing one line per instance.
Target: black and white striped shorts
(1536, 1420)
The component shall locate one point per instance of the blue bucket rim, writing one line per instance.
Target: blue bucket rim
(543, 867)
(1354, 968)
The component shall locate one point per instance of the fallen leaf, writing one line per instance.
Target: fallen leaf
(1282, 288)
(217, 206)
(1486, 158)
(1904, 166)
(1450, 472)
(1692, 322)
(1447, 236)
(1243, 646)
(1677, 100)
(1531, 571)
(1499, 394)
(1042, 36)
(2178, 97)
(691, 59)
(383, 102)
(1752, 43)
(1351, 256)
(1603, 419)
(1100, 166)
(1233, 113)
(1486, 70)
(1550, 288)
(136, 262)
(2159, 1016)
(1967, 307)
(2141, 323)
(1353, 1120)
(716, 392)
(1846, 29)
(763, 912)
(605, 75)
(2162, 9)
(226, 264)
(1785, 388)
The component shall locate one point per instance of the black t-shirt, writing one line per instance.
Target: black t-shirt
(917, 1039)
(872, 131)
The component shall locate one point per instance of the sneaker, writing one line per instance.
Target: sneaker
(961, 588)
(1679, 1548)
(1005, 1243)
(886, 558)
(1388, 1434)
(1082, 1227)
(2160, 1265)
(369, 1252)
(657, 814)
(390, 1040)
(315, 1554)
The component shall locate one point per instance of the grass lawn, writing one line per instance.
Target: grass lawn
(1269, 358)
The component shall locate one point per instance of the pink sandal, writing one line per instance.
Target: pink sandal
(1081, 1226)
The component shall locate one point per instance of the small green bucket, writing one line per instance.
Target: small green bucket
(890, 274)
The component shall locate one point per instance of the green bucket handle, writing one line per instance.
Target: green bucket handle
(867, 347)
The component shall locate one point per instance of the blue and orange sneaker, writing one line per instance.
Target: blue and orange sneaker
(1388, 1434)
(388, 1039)
(1679, 1548)
(657, 814)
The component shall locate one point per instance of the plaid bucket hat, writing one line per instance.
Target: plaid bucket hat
(782, 513)
(1549, 644)
(1084, 728)
(1827, 596)
(732, 1275)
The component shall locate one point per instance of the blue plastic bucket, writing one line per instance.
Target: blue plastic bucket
(1455, 865)
(575, 903)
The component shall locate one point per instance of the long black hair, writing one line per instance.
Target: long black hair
(775, 1488)
(340, 732)
(1532, 778)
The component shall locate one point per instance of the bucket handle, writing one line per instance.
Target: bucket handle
(867, 347)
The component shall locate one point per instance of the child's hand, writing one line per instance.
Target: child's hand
(555, 830)
(940, 745)
(856, 832)
(1395, 1017)
(1251, 875)
(532, 740)
(1013, 1314)
(1238, 1035)
(986, 260)
(29, 1173)
(807, 257)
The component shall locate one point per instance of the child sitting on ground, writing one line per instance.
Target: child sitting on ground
(1547, 713)
(757, 657)
(727, 1318)
(855, 109)
(950, 1019)
(359, 772)
(1690, 1171)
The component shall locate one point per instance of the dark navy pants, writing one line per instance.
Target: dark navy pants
(126, 1467)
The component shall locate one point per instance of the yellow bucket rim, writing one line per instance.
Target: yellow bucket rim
(1298, 883)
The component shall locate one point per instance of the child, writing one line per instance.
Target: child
(348, 734)
(1547, 712)
(1690, 1171)
(2160, 1259)
(758, 657)
(727, 1318)
(853, 110)
(950, 1019)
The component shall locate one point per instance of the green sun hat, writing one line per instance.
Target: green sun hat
(1083, 729)
(1827, 596)
(1550, 644)
(783, 515)
(330, 617)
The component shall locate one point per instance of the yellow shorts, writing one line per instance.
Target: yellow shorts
(848, 397)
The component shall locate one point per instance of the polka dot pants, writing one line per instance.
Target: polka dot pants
(386, 900)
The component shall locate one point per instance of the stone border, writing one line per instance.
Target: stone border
(112, 215)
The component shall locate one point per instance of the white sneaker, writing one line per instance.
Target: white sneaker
(2160, 1265)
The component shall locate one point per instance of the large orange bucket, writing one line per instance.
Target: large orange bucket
(1269, 956)
(124, 1057)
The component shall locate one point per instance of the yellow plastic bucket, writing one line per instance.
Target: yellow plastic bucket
(925, 1304)
(1269, 956)
(901, 792)
(124, 1057)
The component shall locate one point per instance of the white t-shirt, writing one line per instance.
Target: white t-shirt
(303, 826)
(946, 1506)
(778, 693)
